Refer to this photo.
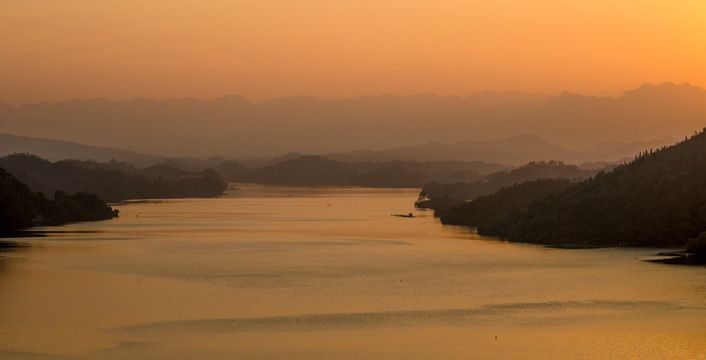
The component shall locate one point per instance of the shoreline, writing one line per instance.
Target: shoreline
(680, 258)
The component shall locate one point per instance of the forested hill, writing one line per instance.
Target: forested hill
(443, 195)
(20, 207)
(658, 199)
(306, 170)
(113, 181)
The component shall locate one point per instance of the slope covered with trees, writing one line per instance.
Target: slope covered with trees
(113, 181)
(658, 199)
(318, 170)
(490, 213)
(444, 195)
(20, 207)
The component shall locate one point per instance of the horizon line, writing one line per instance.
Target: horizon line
(563, 92)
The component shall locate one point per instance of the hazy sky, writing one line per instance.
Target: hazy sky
(54, 50)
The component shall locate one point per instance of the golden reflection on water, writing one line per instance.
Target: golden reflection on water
(299, 273)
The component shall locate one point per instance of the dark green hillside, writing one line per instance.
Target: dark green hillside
(21, 208)
(112, 181)
(659, 199)
(441, 196)
(489, 213)
(16, 204)
(305, 170)
(319, 170)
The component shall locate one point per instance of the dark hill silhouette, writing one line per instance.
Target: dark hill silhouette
(21, 208)
(442, 196)
(658, 199)
(514, 150)
(489, 213)
(318, 170)
(112, 181)
(55, 150)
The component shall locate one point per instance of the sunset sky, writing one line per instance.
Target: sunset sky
(54, 50)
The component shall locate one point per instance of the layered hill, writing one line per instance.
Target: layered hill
(514, 150)
(317, 170)
(55, 150)
(648, 112)
(440, 196)
(113, 181)
(20, 207)
(658, 199)
(234, 127)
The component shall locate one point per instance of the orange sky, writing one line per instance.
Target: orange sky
(55, 50)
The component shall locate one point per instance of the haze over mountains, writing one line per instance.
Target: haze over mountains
(513, 151)
(650, 116)
(55, 150)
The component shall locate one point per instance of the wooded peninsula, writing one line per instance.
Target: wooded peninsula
(658, 199)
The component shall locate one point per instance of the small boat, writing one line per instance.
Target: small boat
(410, 215)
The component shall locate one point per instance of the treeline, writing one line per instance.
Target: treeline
(490, 213)
(441, 196)
(658, 199)
(318, 170)
(113, 181)
(20, 207)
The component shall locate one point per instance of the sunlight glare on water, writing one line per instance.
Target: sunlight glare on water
(304, 273)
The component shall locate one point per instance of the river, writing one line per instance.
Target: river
(326, 273)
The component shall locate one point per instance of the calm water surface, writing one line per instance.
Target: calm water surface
(299, 273)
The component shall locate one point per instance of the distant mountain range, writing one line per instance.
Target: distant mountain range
(515, 151)
(235, 127)
(450, 194)
(649, 112)
(55, 150)
(316, 170)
